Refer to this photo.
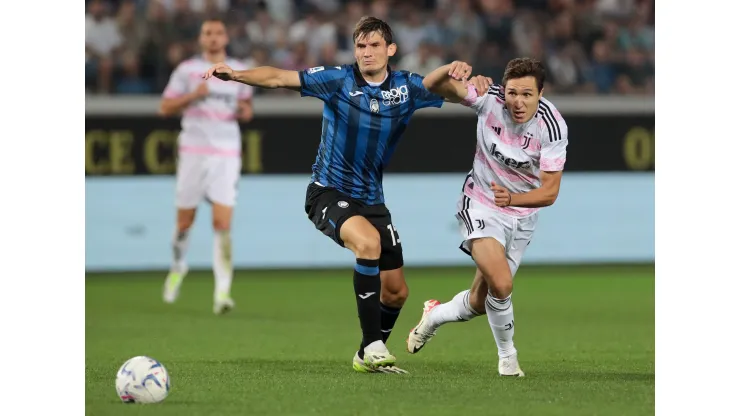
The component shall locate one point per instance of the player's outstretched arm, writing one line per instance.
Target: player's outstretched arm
(263, 76)
(449, 81)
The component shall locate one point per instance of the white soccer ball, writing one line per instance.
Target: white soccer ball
(142, 380)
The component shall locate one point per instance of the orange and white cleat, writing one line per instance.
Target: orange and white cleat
(423, 331)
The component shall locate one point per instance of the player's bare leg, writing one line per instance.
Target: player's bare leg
(393, 295)
(223, 270)
(465, 306)
(361, 237)
(490, 257)
(179, 267)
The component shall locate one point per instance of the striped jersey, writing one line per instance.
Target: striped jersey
(362, 124)
(512, 154)
(209, 125)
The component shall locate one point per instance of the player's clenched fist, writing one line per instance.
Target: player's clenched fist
(501, 195)
(220, 71)
(460, 70)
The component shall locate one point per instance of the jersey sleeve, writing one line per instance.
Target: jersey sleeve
(423, 97)
(478, 104)
(322, 82)
(554, 139)
(177, 85)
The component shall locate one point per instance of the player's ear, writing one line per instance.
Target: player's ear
(392, 49)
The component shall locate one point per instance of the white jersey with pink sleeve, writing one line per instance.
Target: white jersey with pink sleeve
(209, 125)
(511, 154)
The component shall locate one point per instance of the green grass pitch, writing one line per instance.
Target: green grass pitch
(585, 337)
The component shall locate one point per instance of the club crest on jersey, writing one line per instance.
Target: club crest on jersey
(395, 96)
(374, 106)
(527, 139)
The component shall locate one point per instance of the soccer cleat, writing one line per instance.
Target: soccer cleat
(509, 367)
(422, 332)
(368, 365)
(222, 303)
(172, 286)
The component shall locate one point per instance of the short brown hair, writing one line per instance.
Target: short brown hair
(525, 67)
(369, 24)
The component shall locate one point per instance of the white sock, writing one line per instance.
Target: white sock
(179, 249)
(456, 310)
(222, 268)
(501, 318)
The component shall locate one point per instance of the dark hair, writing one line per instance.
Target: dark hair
(213, 19)
(369, 24)
(525, 67)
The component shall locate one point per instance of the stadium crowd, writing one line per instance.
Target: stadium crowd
(588, 46)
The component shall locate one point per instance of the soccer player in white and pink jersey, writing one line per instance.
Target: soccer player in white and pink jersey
(519, 159)
(209, 156)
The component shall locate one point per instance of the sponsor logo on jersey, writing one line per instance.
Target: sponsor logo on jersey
(395, 96)
(512, 163)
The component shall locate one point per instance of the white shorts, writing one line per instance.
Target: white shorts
(479, 221)
(210, 177)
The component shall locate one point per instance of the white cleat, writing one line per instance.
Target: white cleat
(509, 367)
(422, 332)
(223, 304)
(172, 286)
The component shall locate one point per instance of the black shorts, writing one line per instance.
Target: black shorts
(328, 209)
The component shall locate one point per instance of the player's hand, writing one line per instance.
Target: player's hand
(245, 112)
(460, 71)
(501, 195)
(481, 84)
(220, 71)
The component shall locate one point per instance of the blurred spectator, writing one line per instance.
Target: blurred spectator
(602, 72)
(423, 61)
(102, 40)
(130, 81)
(588, 46)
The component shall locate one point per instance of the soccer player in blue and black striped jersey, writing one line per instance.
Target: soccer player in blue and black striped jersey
(367, 108)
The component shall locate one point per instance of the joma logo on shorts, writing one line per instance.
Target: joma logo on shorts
(507, 160)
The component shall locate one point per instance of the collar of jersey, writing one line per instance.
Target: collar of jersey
(360, 80)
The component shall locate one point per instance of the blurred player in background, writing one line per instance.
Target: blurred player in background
(519, 159)
(209, 156)
(367, 107)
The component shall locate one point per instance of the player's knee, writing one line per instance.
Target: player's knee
(367, 246)
(395, 296)
(220, 224)
(501, 289)
(184, 223)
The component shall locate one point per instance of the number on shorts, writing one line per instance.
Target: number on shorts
(394, 234)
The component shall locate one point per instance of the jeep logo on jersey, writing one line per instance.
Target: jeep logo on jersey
(395, 96)
(512, 163)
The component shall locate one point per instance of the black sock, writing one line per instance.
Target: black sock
(388, 316)
(367, 295)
